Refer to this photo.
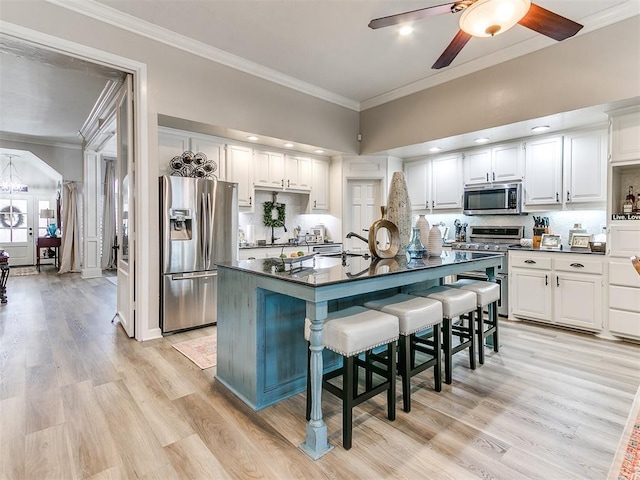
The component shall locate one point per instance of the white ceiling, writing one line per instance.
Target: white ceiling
(320, 46)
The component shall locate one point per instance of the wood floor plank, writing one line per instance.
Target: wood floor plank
(94, 448)
(12, 438)
(139, 450)
(48, 455)
(191, 458)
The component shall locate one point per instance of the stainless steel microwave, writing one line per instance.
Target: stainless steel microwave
(493, 199)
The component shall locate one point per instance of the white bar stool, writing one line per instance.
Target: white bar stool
(455, 303)
(487, 295)
(416, 314)
(350, 332)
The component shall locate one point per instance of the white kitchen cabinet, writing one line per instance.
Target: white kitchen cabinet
(624, 299)
(297, 173)
(172, 143)
(239, 170)
(269, 169)
(543, 171)
(500, 163)
(561, 289)
(624, 239)
(625, 135)
(447, 182)
(418, 177)
(585, 155)
(319, 195)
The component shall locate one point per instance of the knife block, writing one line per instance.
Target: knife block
(537, 236)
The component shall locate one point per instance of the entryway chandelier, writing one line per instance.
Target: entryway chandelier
(7, 182)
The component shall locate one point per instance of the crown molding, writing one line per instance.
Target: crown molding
(594, 22)
(49, 142)
(109, 15)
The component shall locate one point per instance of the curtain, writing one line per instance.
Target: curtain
(109, 217)
(70, 256)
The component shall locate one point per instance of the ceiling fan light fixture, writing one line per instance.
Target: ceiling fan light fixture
(486, 18)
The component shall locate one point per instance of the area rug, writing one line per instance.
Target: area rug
(201, 351)
(22, 271)
(626, 464)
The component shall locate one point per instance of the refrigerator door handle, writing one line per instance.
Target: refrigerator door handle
(209, 239)
(192, 276)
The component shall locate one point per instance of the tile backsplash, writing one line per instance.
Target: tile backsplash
(254, 229)
(560, 221)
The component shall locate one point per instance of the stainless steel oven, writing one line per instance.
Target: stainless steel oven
(493, 239)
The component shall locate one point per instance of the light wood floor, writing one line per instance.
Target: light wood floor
(80, 400)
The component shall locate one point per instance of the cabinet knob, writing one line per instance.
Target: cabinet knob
(494, 176)
(250, 200)
(314, 204)
(487, 176)
(557, 197)
(546, 280)
(568, 196)
(557, 281)
(288, 183)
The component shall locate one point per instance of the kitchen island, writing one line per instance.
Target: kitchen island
(262, 353)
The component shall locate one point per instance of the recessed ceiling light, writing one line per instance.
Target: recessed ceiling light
(288, 145)
(406, 30)
(253, 138)
(482, 140)
(318, 151)
(435, 149)
(540, 128)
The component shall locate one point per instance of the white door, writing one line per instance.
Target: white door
(364, 209)
(125, 222)
(17, 217)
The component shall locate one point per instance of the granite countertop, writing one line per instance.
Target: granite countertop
(518, 248)
(324, 270)
(286, 244)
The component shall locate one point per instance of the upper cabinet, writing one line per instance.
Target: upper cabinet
(543, 171)
(447, 182)
(319, 195)
(500, 163)
(172, 143)
(240, 168)
(269, 169)
(625, 136)
(297, 173)
(585, 165)
(418, 178)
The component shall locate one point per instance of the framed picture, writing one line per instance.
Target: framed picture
(581, 240)
(550, 242)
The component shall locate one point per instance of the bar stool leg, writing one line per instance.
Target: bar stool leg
(391, 378)
(437, 369)
(404, 368)
(447, 340)
(472, 338)
(347, 402)
(480, 333)
(494, 315)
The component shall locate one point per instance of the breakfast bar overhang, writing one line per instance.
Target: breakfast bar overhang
(262, 353)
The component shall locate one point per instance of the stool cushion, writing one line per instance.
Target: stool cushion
(486, 292)
(357, 329)
(414, 313)
(454, 301)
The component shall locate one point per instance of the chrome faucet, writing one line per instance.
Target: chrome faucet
(353, 234)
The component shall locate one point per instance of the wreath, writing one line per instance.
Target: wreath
(11, 217)
(268, 219)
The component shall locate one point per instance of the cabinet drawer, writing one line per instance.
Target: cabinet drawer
(623, 273)
(624, 240)
(533, 261)
(579, 264)
(624, 323)
(624, 298)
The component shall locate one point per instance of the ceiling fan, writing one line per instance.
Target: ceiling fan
(486, 18)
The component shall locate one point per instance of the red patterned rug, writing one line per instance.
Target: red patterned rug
(201, 351)
(626, 464)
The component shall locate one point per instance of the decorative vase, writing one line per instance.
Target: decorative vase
(415, 250)
(423, 224)
(434, 246)
(399, 209)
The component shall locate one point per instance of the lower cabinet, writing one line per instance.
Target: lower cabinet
(624, 299)
(561, 289)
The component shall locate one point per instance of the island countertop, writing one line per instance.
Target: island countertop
(327, 270)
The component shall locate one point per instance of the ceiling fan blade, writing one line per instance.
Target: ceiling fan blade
(550, 24)
(458, 42)
(411, 16)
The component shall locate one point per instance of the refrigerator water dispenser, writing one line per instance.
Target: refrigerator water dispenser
(180, 224)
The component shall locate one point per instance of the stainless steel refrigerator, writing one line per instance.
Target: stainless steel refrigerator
(198, 227)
